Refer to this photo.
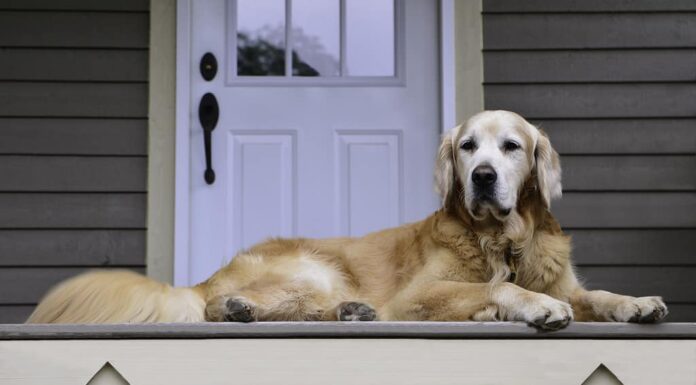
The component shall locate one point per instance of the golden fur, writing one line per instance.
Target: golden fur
(455, 265)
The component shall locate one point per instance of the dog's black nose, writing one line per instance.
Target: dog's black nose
(484, 176)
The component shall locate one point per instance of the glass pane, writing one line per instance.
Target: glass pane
(316, 38)
(370, 37)
(260, 37)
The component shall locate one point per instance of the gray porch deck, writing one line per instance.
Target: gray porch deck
(416, 330)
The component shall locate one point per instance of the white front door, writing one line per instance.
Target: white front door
(337, 138)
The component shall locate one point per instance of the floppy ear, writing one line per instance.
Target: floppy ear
(444, 168)
(548, 169)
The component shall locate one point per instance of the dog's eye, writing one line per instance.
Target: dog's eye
(509, 145)
(467, 145)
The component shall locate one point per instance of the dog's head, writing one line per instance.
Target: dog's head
(485, 163)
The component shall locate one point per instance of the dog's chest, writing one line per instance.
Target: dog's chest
(538, 273)
(474, 266)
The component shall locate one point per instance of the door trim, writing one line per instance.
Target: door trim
(183, 154)
(448, 102)
(161, 141)
(448, 105)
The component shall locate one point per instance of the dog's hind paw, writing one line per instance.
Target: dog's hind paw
(230, 309)
(356, 311)
(239, 310)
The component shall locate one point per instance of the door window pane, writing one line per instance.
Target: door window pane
(260, 37)
(316, 38)
(333, 39)
(370, 39)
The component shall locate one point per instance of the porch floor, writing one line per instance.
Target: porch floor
(422, 330)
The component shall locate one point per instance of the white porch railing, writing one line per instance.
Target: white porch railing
(348, 353)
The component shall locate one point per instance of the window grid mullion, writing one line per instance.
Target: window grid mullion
(343, 72)
(288, 38)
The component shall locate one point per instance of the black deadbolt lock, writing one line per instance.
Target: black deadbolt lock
(208, 66)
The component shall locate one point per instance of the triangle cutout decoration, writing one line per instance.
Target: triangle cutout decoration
(602, 376)
(107, 375)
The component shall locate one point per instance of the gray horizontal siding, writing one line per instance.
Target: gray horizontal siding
(538, 101)
(73, 64)
(621, 136)
(76, 5)
(642, 247)
(14, 314)
(73, 153)
(629, 173)
(670, 65)
(613, 83)
(643, 281)
(681, 312)
(507, 6)
(626, 209)
(73, 136)
(94, 100)
(22, 286)
(582, 31)
(72, 210)
(74, 29)
(73, 173)
(72, 247)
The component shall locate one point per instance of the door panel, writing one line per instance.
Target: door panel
(368, 178)
(261, 185)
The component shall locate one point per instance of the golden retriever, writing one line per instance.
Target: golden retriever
(493, 252)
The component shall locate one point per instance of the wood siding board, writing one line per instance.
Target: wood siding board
(621, 136)
(626, 210)
(73, 65)
(590, 66)
(28, 285)
(72, 210)
(15, 314)
(539, 101)
(73, 154)
(494, 6)
(72, 247)
(633, 246)
(73, 173)
(76, 5)
(74, 29)
(628, 173)
(674, 284)
(681, 312)
(554, 31)
(73, 100)
(73, 136)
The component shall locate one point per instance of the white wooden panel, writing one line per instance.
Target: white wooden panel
(349, 361)
(261, 187)
(368, 180)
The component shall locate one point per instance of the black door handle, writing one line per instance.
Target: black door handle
(208, 114)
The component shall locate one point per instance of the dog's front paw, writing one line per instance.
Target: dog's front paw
(641, 310)
(548, 313)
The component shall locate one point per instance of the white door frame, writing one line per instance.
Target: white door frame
(184, 119)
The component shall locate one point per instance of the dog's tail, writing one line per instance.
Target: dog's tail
(118, 297)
